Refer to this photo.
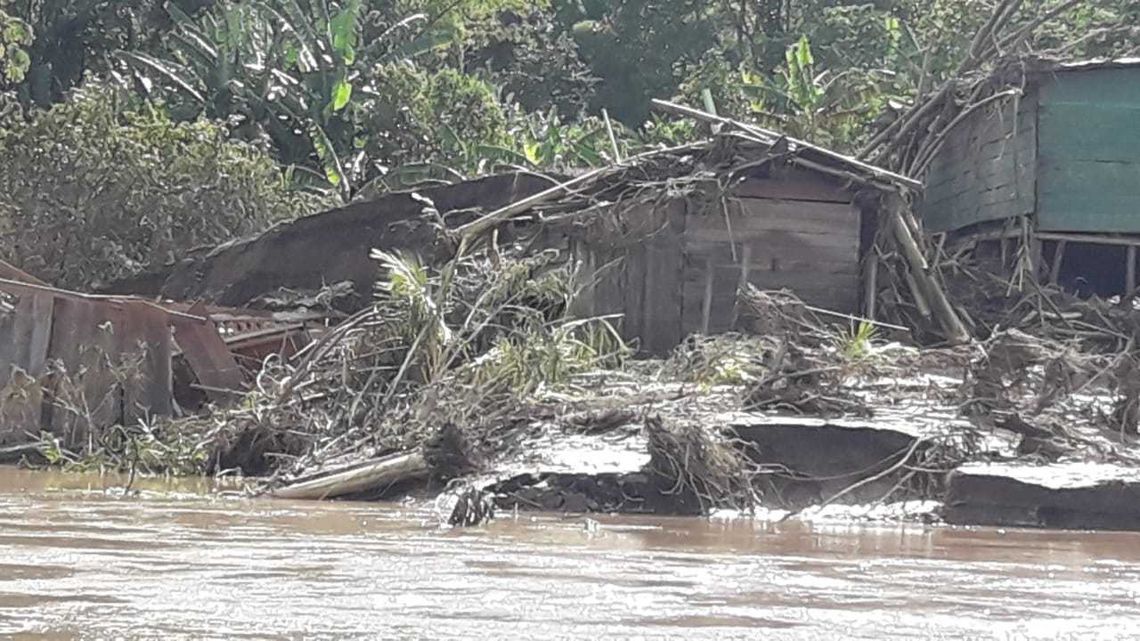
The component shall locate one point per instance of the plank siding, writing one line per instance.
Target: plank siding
(986, 170)
(661, 320)
(810, 247)
(699, 255)
(793, 183)
(1090, 152)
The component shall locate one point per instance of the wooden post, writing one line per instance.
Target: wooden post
(745, 263)
(1034, 249)
(871, 282)
(1130, 276)
(367, 476)
(706, 305)
(1058, 258)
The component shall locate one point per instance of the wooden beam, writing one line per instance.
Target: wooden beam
(1096, 239)
(745, 263)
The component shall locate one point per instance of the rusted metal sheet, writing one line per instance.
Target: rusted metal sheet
(111, 355)
(11, 272)
(22, 360)
(94, 361)
(29, 326)
(213, 363)
(256, 345)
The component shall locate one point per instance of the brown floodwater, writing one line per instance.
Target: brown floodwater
(180, 562)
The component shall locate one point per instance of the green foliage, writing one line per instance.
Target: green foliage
(640, 49)
(710, 361)
(282, 69)
(96, 188)
(380, 92)
(532, 62)
(413, 115)
(15, 37)
(73, 38)
(495, 323)
(549, 356)
(164, 448)
(855, 344)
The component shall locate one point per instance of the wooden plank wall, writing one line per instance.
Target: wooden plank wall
(808, 246)
(986, 170)
(641, 281)
(792, 230)
(1089, 140)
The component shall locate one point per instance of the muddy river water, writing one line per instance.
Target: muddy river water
(177, 562)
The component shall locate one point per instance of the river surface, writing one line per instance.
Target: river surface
(176, 562)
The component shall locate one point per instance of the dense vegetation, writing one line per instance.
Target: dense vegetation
(135, 129)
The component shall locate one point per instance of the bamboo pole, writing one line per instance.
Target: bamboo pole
(480, 225)
(613, 138)
(919, 298)
(952, 327)
(769, 137)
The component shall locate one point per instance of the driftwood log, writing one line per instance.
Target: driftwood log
(371, 475)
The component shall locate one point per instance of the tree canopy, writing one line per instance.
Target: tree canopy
(350, 97)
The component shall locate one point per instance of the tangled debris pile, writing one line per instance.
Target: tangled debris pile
(460, 347)
(476, 372)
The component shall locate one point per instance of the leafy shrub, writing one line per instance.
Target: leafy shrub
(91, 191)
(418, 116)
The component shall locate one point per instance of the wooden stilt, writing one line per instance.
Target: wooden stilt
(1035, 256)
(871, 283)
(1130, 276)
(1058, 258)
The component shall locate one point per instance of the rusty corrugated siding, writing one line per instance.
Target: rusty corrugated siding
(95, 361)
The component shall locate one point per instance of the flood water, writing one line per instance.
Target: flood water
(77, 562)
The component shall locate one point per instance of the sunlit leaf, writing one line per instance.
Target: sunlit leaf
(342, 93)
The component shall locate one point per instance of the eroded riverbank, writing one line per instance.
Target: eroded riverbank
(80, 562)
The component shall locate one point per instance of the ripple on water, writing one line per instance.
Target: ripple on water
(79, 563)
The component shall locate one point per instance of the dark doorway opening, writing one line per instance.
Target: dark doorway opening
(1088, 269)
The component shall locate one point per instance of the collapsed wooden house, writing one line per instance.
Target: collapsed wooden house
(1049, 177)
(72, 364)
(663, 241)
(666, 240)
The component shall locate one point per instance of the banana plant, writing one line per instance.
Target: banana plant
(287, 68)
(811, 104)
